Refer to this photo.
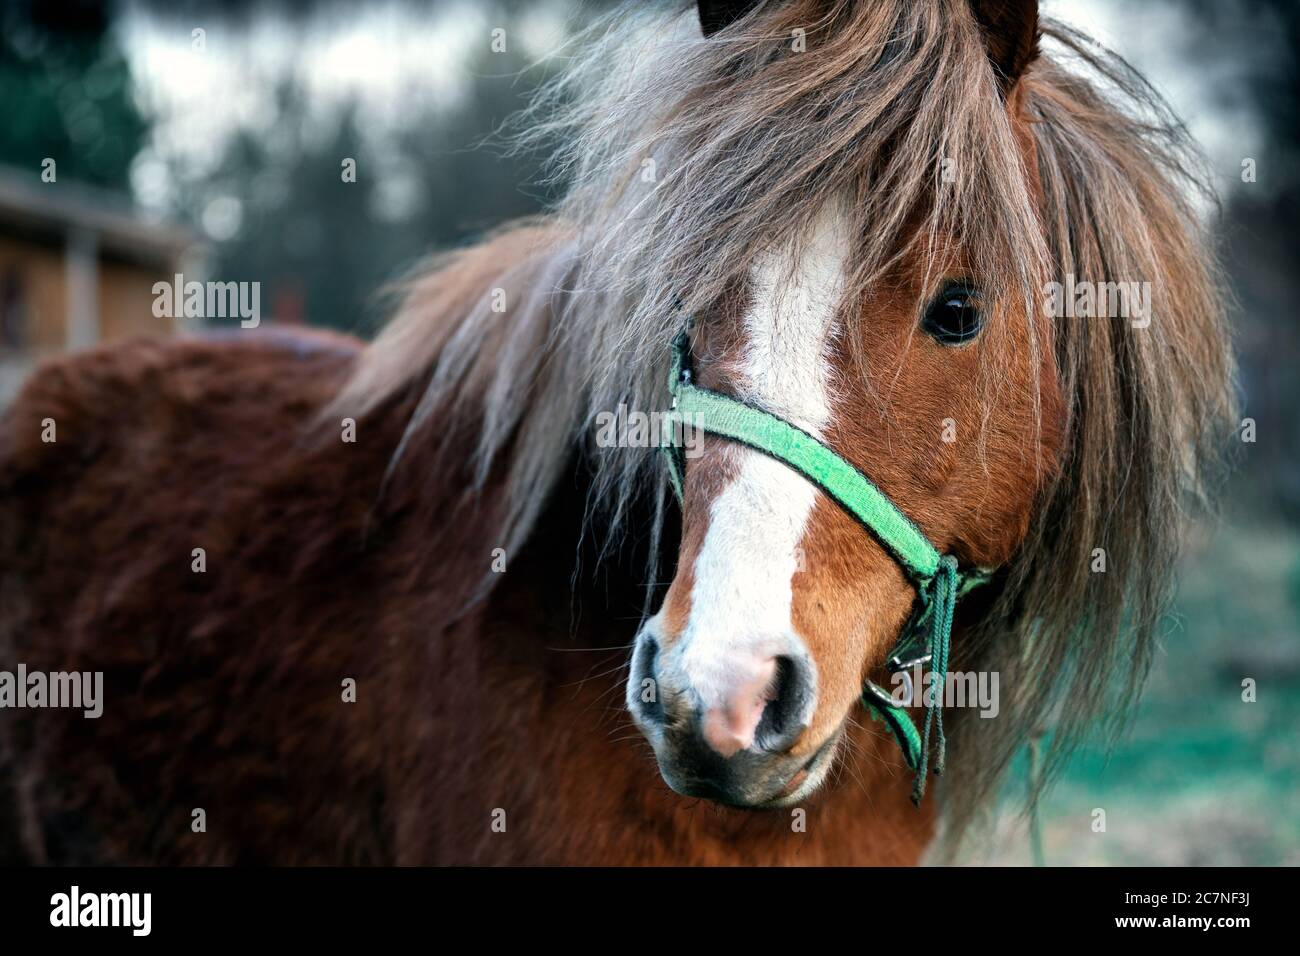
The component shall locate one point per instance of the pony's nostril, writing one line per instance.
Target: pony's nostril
(645, 693)
(786, 714)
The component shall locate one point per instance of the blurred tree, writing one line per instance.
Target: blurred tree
(66, 90)
(275, 204)
(323, 246)
(1260, 37)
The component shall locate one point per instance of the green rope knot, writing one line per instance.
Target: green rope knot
(941, 596)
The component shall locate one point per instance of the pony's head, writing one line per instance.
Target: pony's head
(901, 227)
(784, 601)
(933, 379)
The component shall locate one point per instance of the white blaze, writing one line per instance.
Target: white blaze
(740, 605)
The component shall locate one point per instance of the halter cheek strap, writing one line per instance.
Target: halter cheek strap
(938, 580)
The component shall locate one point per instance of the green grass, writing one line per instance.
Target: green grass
(1202, 777)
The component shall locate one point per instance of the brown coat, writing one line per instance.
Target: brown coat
(223, 689)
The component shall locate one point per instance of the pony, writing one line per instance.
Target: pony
(408, 602)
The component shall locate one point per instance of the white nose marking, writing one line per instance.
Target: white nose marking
(740, 613)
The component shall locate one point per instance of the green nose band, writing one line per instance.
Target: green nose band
(938, 579)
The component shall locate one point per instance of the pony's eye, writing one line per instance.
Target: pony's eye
(954, 316)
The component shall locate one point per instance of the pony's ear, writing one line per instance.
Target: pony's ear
(716, 14)
(1011, 32)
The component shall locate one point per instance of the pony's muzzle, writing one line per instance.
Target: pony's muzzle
(724, 732)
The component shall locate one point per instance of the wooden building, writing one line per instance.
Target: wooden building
(77, 267)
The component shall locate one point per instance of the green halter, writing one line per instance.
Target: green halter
(936, 577)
